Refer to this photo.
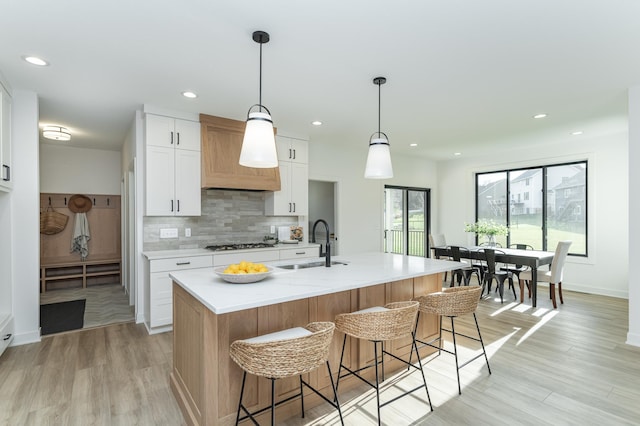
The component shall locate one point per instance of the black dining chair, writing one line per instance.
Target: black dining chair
(463, 275)
(491, 273)
(517, 269)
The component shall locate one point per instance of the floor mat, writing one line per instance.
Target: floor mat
(62, 316)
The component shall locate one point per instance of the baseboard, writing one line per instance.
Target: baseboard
(26, 338)
(633, 339)
(620, 294)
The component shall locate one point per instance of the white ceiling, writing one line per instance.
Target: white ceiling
(459, 73)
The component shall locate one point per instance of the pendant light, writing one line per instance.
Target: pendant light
(259, 144)
(379, 157)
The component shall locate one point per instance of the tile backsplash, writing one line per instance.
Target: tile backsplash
(228, 216)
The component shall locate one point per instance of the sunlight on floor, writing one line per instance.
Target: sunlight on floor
(546, 318)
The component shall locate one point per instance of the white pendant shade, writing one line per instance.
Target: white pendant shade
(259, 143)
(378, 160)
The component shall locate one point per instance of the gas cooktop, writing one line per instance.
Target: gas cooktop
(239, 246)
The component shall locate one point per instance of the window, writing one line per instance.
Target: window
(552, 209)
(406, 219)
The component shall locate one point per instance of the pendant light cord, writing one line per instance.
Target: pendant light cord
(379, 91)
(260, 84)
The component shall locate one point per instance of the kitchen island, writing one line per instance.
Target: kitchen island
(209, 314)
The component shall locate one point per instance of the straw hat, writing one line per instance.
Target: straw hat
(79, 204)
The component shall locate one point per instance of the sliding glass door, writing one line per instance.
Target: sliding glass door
(406, 218)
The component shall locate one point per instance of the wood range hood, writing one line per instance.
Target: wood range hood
(221, 145)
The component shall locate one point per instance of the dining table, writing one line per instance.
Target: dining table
(531, 258)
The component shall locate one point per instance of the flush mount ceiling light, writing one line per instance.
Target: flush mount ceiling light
(189, 94)
(379, 156)
(259, 144)
(34, 60)
(56, 133)
(317, 123)
(543, 115)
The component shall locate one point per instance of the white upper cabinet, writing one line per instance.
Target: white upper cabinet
(5, 140)
(293, 197)
(293, 150)
(172, 166)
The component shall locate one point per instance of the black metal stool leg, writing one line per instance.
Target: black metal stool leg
(244, 378)
(481, 342)
(273, 402)
(335, 394)
(424, 380)
(375, 360)
(344, 341)
(301, 396)
(455, 353)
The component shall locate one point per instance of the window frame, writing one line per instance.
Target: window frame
(544, 169)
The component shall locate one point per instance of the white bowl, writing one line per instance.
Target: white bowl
(242, 278)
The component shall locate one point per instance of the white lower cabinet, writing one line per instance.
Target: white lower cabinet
(159, 312)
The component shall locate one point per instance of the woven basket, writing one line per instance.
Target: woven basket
(52, 222)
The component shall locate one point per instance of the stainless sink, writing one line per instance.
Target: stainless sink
(310, 265)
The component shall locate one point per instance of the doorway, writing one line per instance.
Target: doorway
(407, 220)
(322, 205)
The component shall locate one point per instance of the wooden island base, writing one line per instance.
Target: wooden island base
(206, 382)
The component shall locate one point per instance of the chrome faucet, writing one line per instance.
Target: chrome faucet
(327, 251)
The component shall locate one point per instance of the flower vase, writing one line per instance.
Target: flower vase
(491, 240)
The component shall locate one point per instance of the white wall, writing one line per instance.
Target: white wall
(633, 337)
(360, 201)
(79, 171)
(26, 218)
(605, 271)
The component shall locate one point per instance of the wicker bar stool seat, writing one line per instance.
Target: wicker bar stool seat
(452, 302)
(287, 353)
(380, 324)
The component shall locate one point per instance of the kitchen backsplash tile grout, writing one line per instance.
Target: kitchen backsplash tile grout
(227, 217)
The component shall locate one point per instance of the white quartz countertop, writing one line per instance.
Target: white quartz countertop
(170, 254)
(284, 285)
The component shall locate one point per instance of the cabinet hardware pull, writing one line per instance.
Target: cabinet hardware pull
(294, 207)
(178, 205)
(294, 154)
(301, 252)
(171, 205)
(7, 337)
(8, 175)
(171, 138)
(178, 134)
(289, 153)
(183, 263)
(289, 207)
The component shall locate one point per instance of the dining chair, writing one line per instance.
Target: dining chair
(464, 273)
(491, 273)
(517, 269)
(552, 276)
(438, 240)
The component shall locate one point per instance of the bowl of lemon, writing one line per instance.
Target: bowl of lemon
(243, 272)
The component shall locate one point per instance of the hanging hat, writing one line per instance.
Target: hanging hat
(79, 204)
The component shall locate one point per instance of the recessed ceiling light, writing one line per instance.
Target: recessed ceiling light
(457, 154)
(34, 60)
(317, 123)
(543, 115)
(189, 94)
(577, 132)
(413, 144)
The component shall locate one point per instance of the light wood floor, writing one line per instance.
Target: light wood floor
(568, 366)
(106, 303)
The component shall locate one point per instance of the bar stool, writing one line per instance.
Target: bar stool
(452, 302)
(292, 352)
(380, 324)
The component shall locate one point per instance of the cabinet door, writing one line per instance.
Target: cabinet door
(187, 135)
(299, 151)
(161, 300)
(5, 138)
(159, 131)
(299, 189)
(279, 202)
(187, 180)
(160, 186)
